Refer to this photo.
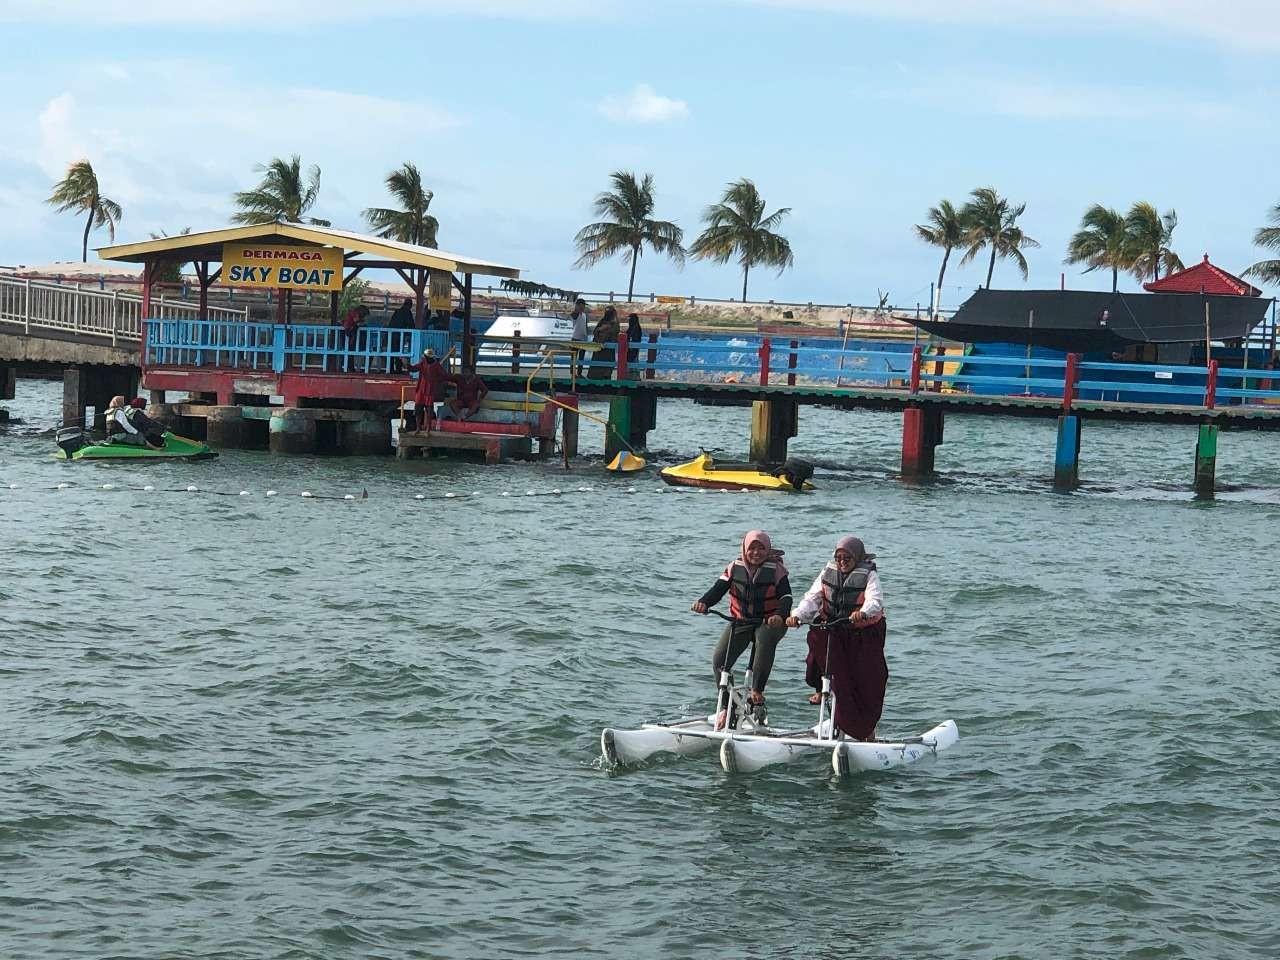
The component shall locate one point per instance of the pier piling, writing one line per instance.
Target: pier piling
(1206, 459)
(773, 423)
(292, 431)
(368, 436)
(921, 434)
(224, 427)
(1066, 462)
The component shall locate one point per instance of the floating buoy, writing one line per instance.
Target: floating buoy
(13, 486)
(62, 486)
(530, 493)
(556, 491)
(148, 488)
(307, 493)
(192, 488)
(108, 486)
(584, 489)
(450, 496)
(271, 493)
(475, 493)
(244, 493)
(419, 496)
(631, 489)
(349, 496)
(506, 493)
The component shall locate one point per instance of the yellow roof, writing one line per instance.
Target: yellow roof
(207, 245)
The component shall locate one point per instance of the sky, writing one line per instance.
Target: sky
(858, 115)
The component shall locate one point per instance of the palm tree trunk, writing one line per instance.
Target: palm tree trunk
(1115, 278)
(84, 246)
(937, 297)
(631, 284)
(745, 268)
(992, 267)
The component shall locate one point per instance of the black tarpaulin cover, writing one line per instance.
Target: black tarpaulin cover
(1089, 321)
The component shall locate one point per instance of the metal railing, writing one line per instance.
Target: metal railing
(90, 313)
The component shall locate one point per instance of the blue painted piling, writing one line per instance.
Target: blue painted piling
(1066, 464)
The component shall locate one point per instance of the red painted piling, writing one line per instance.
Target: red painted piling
(916, 354)
(1211, 386)
(1069, 381)
(766, 349)
(791, 364)
(620, 369)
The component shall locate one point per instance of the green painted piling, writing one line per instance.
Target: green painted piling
(1206, 459)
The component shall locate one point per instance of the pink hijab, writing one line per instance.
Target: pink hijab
(762, 538)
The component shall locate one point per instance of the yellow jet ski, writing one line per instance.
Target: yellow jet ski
(792, 476)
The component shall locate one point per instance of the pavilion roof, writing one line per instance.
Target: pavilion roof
(377, 251)
(1204, 277)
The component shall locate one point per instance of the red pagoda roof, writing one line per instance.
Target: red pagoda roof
(1204, 277)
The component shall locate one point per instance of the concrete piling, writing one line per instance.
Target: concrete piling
(1066, 462)
(773, 423)
(921, 434)
(368, 436)
(1206, 459)
(292, 431)
(224, 427)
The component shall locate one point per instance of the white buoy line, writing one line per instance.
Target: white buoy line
(345, 497)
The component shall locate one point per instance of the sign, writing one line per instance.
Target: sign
(662, 299)
(275, 265)
(440, 290)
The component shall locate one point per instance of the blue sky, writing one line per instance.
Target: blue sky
(857, 114)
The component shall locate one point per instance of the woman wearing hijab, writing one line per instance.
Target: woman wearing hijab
(605, 334)
(759, 593)
(634, 335)
(852, 652)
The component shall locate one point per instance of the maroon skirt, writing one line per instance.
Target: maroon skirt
(858, 671)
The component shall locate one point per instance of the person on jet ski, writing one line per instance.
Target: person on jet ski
(151, 431)
(119, 427)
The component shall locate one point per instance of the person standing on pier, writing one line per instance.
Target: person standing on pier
(759, 600)
(402, 323)
(605, 334)
(635, 333)
(579, 317)
(852, 652)
(432, 379)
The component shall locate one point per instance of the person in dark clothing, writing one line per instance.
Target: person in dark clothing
(401, 320)
(634, 335)
(605, 334)
(851, 652)
(760, 592)
(151, 431)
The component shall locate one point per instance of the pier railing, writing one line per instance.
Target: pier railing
(272, 347)
(100, 314)
(684, 358)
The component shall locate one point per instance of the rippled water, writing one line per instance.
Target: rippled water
(278, 727)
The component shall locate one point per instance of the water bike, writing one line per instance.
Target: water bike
(76, 446)
(748, 743)
(792, 476)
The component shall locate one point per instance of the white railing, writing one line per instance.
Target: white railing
(96, 313)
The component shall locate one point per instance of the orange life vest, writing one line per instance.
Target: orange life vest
(753, 598)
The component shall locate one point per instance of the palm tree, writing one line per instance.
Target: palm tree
(1150, 233)
(626, 225)
(412, 224)
(1268, 271)
(946, 229)
(78, 191)
(282, 196)
(1102, 242)
(737, 225)
(993, 223)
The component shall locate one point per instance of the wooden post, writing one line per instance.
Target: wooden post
(1211, 386)
(569, 427)
(1066, 462)
(773, 423)
(468, 342)
(1206, 459)
(620, 364)
(619, 426)
(791, 364)
(766, 349)
(921, 434)
(651, 356)
(1069, 381)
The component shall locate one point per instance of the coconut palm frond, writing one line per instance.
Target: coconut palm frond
(626, 226)
(283, 195)
(79, 191)
(411, 223)
(737, 225)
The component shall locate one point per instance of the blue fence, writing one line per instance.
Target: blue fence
(272, 347)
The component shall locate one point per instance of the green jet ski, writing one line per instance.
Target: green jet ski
(76, 446)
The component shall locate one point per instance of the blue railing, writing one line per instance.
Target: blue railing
(245, 345)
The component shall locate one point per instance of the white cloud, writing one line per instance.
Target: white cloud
(643, 105)
(1249, 24)
(60, 145)
(251, 12)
